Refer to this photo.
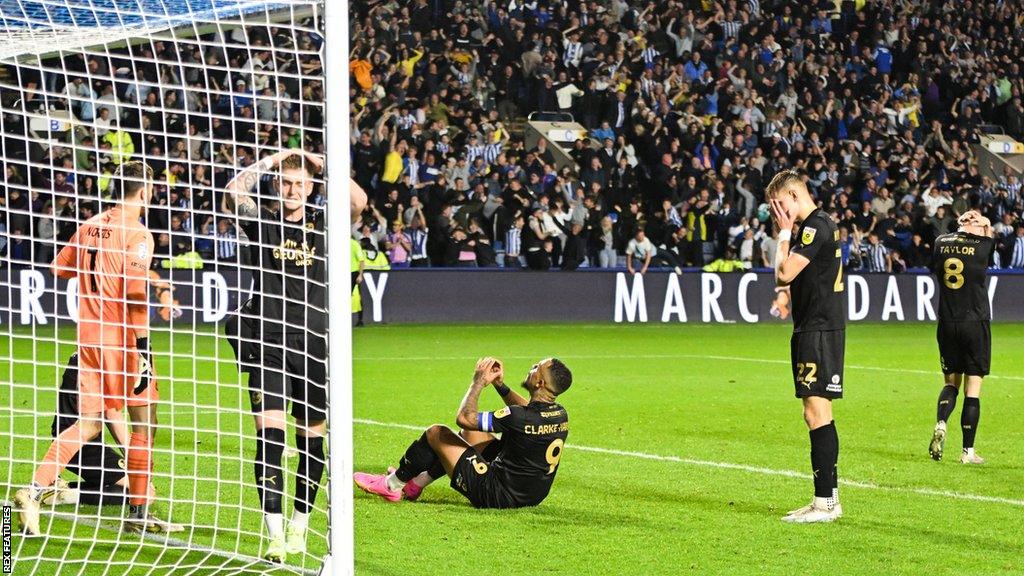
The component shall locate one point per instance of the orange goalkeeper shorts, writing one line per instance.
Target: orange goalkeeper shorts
(108, 377)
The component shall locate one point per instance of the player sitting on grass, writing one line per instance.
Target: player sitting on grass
(965, 338)
(511, 472)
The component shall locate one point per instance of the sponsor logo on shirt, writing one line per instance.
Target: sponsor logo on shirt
(300, 255)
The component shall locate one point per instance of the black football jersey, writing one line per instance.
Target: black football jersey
(289, 271)
(532, 438)
(961, 263)
(817, 292)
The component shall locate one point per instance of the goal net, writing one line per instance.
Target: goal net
(201, 91)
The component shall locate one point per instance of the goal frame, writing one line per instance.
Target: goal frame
(340, 537)
(341, 531)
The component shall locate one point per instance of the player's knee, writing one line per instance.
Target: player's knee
(436, 432)
(815, 416)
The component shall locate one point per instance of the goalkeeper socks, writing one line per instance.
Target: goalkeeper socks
(269, 478)
(140, 461)
(418, 458)
(947, 402)
(61, 451)
(824, 454)
(310, 471)
(969, 420)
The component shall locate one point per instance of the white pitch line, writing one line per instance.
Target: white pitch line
(935, 372)
(747, 468)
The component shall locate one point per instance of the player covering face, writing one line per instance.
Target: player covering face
(513, 471)
(110, 256)
(811, 265)
(960, 263)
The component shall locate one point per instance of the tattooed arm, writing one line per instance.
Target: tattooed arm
(238, 198)
(487, 371)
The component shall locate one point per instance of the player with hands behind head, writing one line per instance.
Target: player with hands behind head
(960, 263)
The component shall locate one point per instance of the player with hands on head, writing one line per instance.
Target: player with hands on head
(513, 471)
(960, 263)
(287, 318)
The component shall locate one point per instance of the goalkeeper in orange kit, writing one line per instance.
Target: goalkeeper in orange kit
(110, 256)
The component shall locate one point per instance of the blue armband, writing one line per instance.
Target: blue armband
(485, 421)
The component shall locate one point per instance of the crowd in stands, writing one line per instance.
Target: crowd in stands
(195, 110)
(691, 107)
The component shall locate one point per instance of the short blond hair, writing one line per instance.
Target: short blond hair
(780, 180)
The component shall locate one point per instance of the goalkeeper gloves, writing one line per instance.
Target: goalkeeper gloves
(145, 365)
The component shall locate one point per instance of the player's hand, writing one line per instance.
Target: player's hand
(317, 160)
(497, 372)
(781, 218)
(172, 312)
(973, 217)
(487, 370)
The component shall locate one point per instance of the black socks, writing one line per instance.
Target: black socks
(824, 457)
(310, 471)
(947, 402)
(269, 479)
(418, 458)
(969, 420)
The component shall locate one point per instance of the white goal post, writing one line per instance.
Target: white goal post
(200, 91)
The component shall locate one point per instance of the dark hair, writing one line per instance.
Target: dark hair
(131, 178)
(561, 376)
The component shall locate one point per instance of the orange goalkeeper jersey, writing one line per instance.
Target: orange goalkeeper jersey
(110, 255)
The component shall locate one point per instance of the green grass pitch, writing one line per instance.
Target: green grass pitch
(700, 432)
(686, 447)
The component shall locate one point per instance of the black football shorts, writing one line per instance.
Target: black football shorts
(292, 368)
(474, 478)
(965, 347)
(818, 363)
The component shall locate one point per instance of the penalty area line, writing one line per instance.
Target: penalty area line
(748, 468)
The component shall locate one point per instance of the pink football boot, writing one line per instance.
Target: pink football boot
(377, 484)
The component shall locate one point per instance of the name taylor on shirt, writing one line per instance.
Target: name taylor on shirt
(961, 250)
